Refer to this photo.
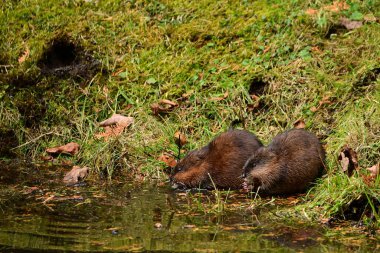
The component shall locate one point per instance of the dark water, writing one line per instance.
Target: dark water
(40, 214)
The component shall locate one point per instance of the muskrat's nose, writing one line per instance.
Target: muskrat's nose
(178, 185)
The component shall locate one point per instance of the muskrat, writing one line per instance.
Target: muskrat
(218, 164)
(289, 164)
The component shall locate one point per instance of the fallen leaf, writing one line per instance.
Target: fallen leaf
(337, 6)
(225, 95)
(114, 126)
(311, 11)
(168, 102)
(117, 119)
(299, 124)
(180, 138)
(374, 170)
(75, 175)
(168, 160)
(164, 106)
(24, 56)
(350, 24)
(71, 148)
(349, 160)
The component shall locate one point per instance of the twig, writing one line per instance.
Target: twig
(35, 139)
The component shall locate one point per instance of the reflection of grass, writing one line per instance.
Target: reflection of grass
(168, 50)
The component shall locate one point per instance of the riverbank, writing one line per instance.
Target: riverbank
(197, 68)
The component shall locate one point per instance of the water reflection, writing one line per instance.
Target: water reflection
(124, 217)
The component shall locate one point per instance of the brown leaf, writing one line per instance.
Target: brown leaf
(114, 126)
(75, 175)
(300, 124)
(71, 148)
(24, 56)
(180, 138)
(164, 106)
(374, 170)
(350, 24)
(349, 160)
(117, 119)
(168, 160)
(337, 6)
(168, 102)
(311, 12)
(225, 95)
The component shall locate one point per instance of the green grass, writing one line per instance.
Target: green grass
(154, 50)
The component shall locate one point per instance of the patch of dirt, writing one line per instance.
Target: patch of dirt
(9, 141)
(257, 86)
(65, 58)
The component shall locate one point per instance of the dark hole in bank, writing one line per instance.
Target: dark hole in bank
(257, 86)
(335, 29)
(61, 53)
(66, 58)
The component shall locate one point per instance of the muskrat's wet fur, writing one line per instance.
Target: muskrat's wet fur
(222, 160)
(289, 164)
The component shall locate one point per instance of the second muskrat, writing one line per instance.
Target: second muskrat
(218, 164)
(287, 165)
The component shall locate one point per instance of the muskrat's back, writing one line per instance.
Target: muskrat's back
(219, 164)
(288, 164)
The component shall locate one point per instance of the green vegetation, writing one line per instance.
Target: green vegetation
(190, 52)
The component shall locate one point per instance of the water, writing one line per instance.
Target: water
(40, 214)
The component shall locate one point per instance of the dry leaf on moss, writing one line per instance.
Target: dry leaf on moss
(350, 24)
(117, 119)
(71, 148)
(337, 6)
(180, 138)
(168, 160)
(349, 160)
(300, 124)
(374, 170)
(164, 106)
(114, 126)
(75, 175)
(311, 12)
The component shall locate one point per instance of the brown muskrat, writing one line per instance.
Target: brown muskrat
(218, 164)
(289, 164)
